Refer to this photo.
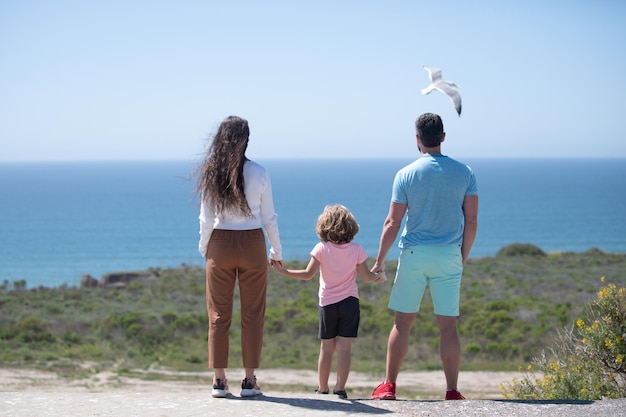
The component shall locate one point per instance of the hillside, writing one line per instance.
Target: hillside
(512, 305)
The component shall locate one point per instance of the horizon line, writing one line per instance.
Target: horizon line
(314, 158)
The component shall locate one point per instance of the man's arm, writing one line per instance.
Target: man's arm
(391, 227)
(470, 214)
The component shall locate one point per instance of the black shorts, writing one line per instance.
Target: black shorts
(340, 319)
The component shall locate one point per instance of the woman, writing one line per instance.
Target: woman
(236, 203)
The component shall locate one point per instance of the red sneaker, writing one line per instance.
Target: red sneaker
(454, 395)
(385, 391)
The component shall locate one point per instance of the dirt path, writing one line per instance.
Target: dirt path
(411, 385)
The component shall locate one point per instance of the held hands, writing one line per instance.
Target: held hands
(277, 265)
(381, 277)
(379, 270)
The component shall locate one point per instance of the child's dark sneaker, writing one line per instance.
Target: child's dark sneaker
(454, 395)
(220, 389)
(317, 391)
(385, 391)
(249, 388)
(341, 394)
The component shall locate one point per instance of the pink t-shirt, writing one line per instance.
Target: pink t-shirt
(338, 270)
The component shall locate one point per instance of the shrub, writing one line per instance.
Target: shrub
(72, 338)
(169, 316)
(520, 249)
(32, 329)
(603, 334)
(19, 285)
(472, 348)
(588, 361)
(194, 359)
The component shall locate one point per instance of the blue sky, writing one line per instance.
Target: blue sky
(86, 80)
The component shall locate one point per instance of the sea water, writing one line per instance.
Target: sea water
(59, 221)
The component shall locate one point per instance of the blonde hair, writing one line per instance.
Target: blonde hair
(336, 224)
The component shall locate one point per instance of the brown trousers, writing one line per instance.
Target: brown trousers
(236, 255)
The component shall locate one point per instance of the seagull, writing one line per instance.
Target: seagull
(448, 88)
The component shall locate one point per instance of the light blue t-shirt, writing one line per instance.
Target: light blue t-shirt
(433, 188)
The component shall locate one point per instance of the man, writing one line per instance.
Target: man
(440, 197)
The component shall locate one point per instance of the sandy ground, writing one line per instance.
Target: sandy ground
(411, 385)
(38, 393)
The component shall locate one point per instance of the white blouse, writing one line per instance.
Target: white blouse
(258, 191)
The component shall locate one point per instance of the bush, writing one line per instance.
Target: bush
(521, 249)
(30, 330)
(588, 361)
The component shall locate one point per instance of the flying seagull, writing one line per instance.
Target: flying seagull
(448, 88)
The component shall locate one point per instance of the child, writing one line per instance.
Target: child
(338, 259)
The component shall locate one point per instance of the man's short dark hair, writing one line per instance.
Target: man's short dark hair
(429, 128)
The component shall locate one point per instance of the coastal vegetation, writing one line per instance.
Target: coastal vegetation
(586, 361)
(514, 306)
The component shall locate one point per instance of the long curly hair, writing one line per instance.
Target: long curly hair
(336, 225)
(220, 179)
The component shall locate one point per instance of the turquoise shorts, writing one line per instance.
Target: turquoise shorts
(438, 267)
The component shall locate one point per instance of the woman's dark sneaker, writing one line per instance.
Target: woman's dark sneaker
(220, 389)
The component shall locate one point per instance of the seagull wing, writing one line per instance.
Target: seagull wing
(428, 89)
(433, 73)
(435, 76)
(451, 91)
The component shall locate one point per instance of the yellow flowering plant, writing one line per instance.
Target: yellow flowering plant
(602, 335)
(587, 362)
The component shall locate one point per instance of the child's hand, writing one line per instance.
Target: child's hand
(381, 277)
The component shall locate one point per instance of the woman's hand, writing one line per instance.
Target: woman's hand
(278, 265)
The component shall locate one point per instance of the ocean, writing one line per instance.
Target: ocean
(59, 221)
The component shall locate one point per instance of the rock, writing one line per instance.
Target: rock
(87, 281)
(120, 279)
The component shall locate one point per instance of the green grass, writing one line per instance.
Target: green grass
(511, 308)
